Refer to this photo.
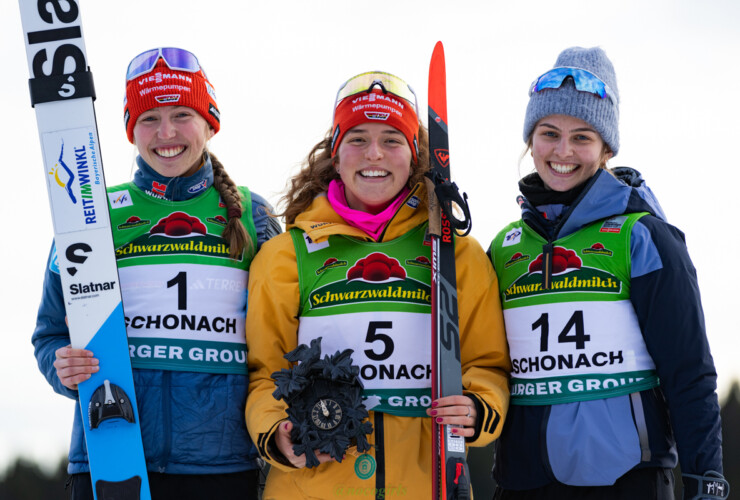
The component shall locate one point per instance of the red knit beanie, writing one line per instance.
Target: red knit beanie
(163, 86)
(380, 107)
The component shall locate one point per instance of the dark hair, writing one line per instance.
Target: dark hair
(317, 171)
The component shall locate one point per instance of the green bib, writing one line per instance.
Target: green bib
(374, 298)
(184, 299)
(578, 340)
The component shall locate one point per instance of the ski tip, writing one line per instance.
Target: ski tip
(439, 50)
(438, 58)
(437, 97)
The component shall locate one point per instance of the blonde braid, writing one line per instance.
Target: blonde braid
(234, 233)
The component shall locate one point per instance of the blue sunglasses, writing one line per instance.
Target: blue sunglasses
(177, 59)
(584, 80)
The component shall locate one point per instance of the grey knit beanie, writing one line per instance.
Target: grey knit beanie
(602, 114)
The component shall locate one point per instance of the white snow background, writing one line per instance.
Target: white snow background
(276, 67)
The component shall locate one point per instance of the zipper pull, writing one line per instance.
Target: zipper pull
(547, 254)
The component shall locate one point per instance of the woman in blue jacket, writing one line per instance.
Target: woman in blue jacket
(613, 382)
(191, 409)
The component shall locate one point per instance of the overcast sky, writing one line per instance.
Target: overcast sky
(276, 67)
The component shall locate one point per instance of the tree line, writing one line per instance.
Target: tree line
(26, 480)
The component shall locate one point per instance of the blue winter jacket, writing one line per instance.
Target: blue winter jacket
(191, 423)
(679, 419)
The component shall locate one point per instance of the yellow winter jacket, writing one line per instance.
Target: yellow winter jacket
(401, 445)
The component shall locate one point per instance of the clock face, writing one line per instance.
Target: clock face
(326, 414)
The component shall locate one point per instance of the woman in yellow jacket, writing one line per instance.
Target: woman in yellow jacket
(356, 216)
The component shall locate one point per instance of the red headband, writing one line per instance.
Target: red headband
(376, 107)
(163, 86)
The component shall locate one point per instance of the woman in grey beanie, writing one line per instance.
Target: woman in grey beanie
(603, 315)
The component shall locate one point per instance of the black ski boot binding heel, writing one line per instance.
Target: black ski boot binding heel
(109, 401)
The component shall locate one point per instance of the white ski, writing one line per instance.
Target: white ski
(62, 95)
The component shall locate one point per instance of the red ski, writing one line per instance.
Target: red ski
(450, 478)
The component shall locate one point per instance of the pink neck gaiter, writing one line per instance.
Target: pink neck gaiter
(372, 224)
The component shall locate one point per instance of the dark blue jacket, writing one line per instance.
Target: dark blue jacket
(680, 416)
(191, 423)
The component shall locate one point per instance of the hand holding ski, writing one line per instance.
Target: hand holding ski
(74, 366)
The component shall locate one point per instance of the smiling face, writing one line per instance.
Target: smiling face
(567, 151)
(171, 139)
(374, 163)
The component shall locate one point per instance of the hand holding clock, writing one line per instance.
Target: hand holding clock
(285, 445)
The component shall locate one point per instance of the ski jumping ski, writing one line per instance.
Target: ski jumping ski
(450, 477)
(62, 95)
